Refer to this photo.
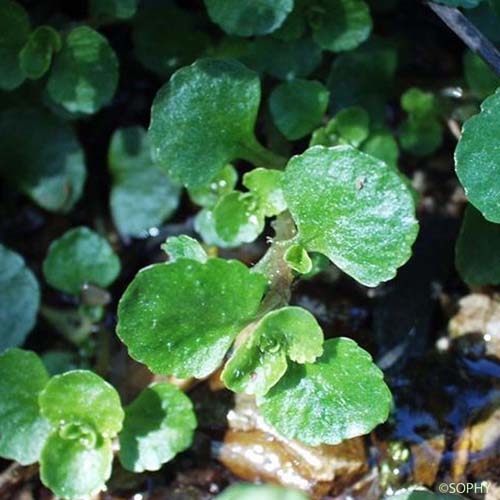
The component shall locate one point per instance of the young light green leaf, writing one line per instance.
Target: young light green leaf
(80, 256)
(72, 470)
(354, 209)
(258, 364)
(85, 72)
(260, 492)
(211, 104)
(113, 9)
(20, 299)
(477, 256)
(142, 195)
(83, 406)
(163, 50)
(340, 25)
(298, 106)
(24, 430)
(266, 184)
(162, 413)
(479, 76)
(298, 259)
(249, 17)
(14, 31)
(340, 396)
(36, 55)
(238, 218)
(477, 159)
(223, 183)
(181, 318)
(204, 225)
(49, 162)
(184, 247)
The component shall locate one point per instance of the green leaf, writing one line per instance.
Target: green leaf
(163, 50)
(238, 218)
(58, 361)
(36, 55)
(354, 209)
(249, 17)
(14, 31)
(266, 185)
(223, 183)
(340, 25)
(181, 318)
(24, 430)
(382, 145)
(142, 196)
(113, 9)
(477, 256)
(85, 72)
(260, 362)
(203, 118)
(340, 396)
(478, 75)
(184, 247)
(161, 414)
(81, 405)
(260, 492)
(298, 106)
(477, 159)
(204, 225)
(20, 299)
(72, 470)
(421, 137)
(49, 162)
(78, 257)
(298, 259)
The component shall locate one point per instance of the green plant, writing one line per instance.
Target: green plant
(305, 170)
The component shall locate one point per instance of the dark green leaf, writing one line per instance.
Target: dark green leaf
(113, 9)
(468, 4)
(298, 106)
(479, 76)
(249, 17)
(259, 363)
(24, 430)
(49, 162)
(477, 255)
(477, 159)
(340, 396)
(353, 208)
(382, 145)
(85, 72)
(36, 55)
(80, 256)
(142, 196)
(181, 318)
(161, 414)
(20, 299)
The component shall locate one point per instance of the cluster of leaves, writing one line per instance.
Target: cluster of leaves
(342, 200)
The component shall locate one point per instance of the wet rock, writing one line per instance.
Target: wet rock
(255, 452)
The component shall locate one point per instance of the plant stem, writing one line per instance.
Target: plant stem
(260, 156)
(469, 34)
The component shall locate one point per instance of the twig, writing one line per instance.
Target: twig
(469, 34)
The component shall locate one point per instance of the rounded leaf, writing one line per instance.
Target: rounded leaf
(298, 259)
(158, 425)
(113, 9)
(340, 396)
(142, 195)
(20, 299)
(73, 470)
(260, 492)
(36, 56)
(477, 159)
(209, 194)
(184, 247)
(354, 209)
(85, 72)
(266, 184)
(479, 76)
(258, 364)
(203, 118)
(298, 106)
(41, 156)
(24, 430)
(78, 257)
(181, 318)
(80, 402)
(477, 256)
(249, 17)
(340, 25)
